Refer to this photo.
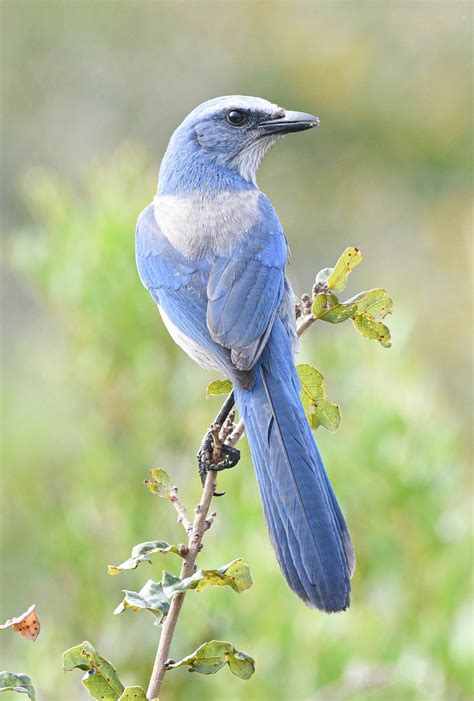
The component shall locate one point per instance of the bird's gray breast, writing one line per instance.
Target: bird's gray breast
(198, 224)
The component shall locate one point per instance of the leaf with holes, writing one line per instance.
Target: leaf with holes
(101, 679)
(210, 657)
(141, 553)
(21, 683)
(372, 329)
(318, 409)
(235, 575)
(151, 597)
(346, 263)
(219, 387)
(160, 483)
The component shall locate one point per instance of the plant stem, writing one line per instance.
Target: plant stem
(307, 322)
(236, 434)
(200, 526)
(181, 510)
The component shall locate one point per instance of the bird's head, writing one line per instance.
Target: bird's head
(230, 134)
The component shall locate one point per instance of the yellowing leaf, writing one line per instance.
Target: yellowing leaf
(367, 326)
(373, 302)
(101, 679)
(160, 483)
(219, 387)
(141, 553)
(318, 409)
(235, 575)
(347, 262)
(151, 597)
(210, 657)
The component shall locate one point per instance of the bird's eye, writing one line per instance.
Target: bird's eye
(236, 118)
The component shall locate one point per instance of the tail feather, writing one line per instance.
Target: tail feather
(293, 571)
(288, 552)
(306, 525)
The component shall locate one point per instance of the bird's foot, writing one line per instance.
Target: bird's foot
(215, 455)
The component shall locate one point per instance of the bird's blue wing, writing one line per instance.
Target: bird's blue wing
(160, 266)
(178, 286)
(245, 289)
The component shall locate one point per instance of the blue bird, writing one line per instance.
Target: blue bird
(212, 252)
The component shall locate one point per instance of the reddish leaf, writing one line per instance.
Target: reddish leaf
(27, 624)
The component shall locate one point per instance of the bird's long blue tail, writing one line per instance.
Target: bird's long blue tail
(305, 522)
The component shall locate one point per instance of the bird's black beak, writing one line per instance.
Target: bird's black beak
(291, 122)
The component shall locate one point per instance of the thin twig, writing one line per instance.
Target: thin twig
(199, 527)
(181, 509)
(202, 522)
(228, 427)
(236, 434)
(305, 324)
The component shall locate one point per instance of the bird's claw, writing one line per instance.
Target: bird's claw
(215, 455)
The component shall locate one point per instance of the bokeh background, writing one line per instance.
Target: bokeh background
(95, 393)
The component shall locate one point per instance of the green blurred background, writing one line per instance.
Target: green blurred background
(95, 392)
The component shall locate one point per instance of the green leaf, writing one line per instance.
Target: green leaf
(210, 657)
(141, 552)
(318, 409)
(369, 327)
(151, 597)
(328, 308)
(160, 483)
(133, 693)
(219, 387)
(320, 304)
(101, 679)
(241, 664)
(20, 683)
(347, 262)
(235, 575)
(373, 302)
(341, 312)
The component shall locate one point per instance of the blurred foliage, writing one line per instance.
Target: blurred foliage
(16, 683)
(95, 392)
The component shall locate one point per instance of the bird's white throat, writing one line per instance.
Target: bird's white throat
(197, 223)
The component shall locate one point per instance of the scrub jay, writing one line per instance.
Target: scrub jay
(212, 252)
